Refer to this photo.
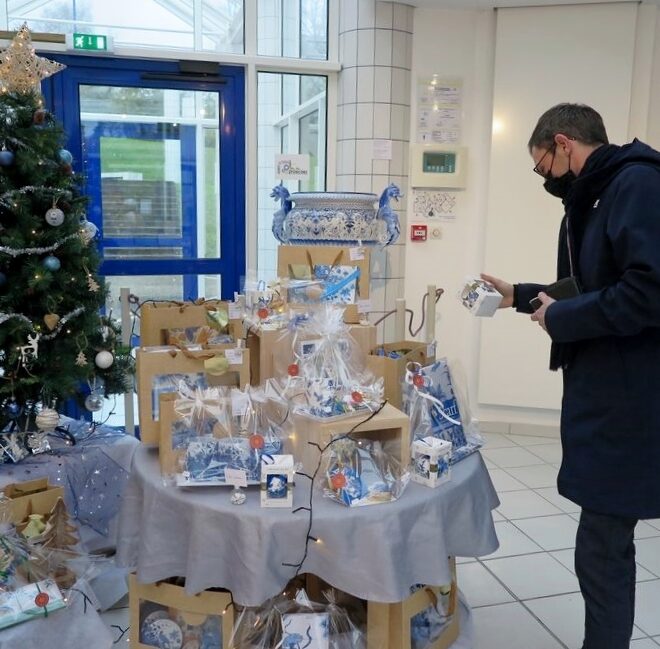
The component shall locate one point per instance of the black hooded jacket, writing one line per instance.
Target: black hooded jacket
(607, 340)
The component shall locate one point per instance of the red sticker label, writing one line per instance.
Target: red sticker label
(256, 441)
(42, 599)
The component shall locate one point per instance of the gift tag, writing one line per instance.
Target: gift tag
(364, 306)
(430, 349)
(236, 477)
(234, 356)
(235, 311)
(356, 253)
(240, 402)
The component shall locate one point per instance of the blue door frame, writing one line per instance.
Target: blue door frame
(61, 93)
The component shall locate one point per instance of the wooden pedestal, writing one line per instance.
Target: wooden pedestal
(393, 620)
(390, 426)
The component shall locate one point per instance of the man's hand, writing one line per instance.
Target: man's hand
(539, 314)
(503, 288)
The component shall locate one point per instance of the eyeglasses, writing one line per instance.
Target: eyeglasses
(536, 169)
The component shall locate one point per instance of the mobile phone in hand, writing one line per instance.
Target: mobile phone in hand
(560, 290)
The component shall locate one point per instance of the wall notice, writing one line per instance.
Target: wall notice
(292, 166)
(439, 106)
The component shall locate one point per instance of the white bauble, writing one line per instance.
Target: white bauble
(47, 419)
(104, 360)
(55, 216)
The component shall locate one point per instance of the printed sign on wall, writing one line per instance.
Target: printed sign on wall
(293, 166)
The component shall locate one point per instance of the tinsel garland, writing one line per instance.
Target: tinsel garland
(8, 316)
(17, 252)
(5, 198)
(62, 321)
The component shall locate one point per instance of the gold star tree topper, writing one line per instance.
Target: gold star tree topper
(21, 70)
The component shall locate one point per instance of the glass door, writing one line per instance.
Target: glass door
(162, 154)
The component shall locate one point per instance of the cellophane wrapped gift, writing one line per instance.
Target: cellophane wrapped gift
(204, 335)
(222, 428)
(293, 624)
(430, 398)
(265, 303)
(359, 472)
(325, 368)
(325, 283)
(38, 567)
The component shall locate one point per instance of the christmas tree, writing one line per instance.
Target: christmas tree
(54, 343)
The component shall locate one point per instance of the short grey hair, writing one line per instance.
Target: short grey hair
(576, 121)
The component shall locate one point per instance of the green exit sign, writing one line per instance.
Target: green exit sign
(90, 42)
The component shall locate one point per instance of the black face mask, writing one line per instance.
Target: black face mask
(561, 185)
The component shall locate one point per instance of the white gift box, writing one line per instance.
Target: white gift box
(277, 481)
(480, 298)
(430, 461)
(309, 630)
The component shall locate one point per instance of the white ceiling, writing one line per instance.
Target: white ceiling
(487, 4)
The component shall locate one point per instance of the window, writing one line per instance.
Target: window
(152, 23)
(291, 117)
(293, 28)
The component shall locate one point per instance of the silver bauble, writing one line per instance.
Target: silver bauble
(88, 231)
(94, 402)
(55, 216)
(47, 419)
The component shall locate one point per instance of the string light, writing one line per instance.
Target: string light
(309, 509)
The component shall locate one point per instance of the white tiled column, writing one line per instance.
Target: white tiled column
(375, 47)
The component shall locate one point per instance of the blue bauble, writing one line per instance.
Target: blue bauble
(13, 410)
(6, 158)
(3, 279)
(65, 157)
(51, 263)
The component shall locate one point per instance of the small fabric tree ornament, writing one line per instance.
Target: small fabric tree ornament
(60, 534)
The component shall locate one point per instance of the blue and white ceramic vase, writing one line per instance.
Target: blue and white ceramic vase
(335, 218)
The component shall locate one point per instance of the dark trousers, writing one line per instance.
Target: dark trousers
(605, 567)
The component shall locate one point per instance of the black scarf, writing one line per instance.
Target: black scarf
(594, 177)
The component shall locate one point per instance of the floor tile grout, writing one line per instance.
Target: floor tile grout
(484, 561)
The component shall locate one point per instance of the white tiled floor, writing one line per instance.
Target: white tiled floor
(526, 594)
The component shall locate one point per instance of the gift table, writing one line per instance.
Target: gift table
(93, 473)
(375, 553)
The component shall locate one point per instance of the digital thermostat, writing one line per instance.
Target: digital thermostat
(438, 165)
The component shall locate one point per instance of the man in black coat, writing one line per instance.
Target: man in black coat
(607, 342)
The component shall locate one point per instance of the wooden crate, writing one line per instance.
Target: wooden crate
(156, 318)
(266, 345)
(163, 361)
(33, 496)
(395, 618)
(390, 426)
(191, 609)
(298, 255)
(388, 624)
(393, 370)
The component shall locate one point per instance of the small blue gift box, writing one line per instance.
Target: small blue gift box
(277, 480)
